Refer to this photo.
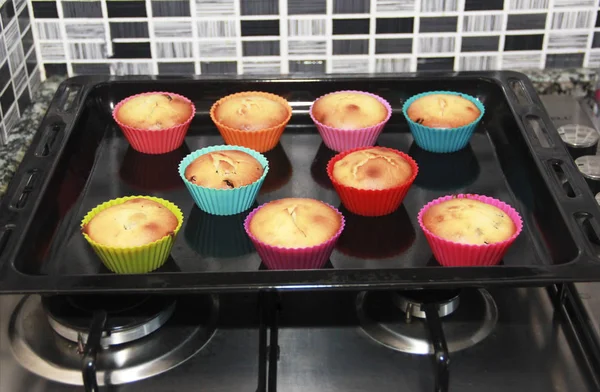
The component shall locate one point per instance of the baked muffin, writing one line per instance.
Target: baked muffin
(372, 168)
(250, 112)
(295, 223)
(154, 111)
(135, 222)
(349, 110)
(443, 111)
(225, 169)
(469, 221)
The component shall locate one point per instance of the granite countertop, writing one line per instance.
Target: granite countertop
(577, 82)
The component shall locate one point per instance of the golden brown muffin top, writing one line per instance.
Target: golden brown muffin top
(250, 112)
(154, 111)
(225, 169)
(443, 111)
(349, 110)
(372, 168)
(295, 223)
(469, 221)
(135, 222)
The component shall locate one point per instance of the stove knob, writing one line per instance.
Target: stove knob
(589, 166)
(580, 139)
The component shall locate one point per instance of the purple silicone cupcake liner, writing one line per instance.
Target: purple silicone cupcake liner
(341, 140)
(277, 257)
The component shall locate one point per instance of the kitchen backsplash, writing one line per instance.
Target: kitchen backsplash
(308, 36)
(78, 37)
(19, 73)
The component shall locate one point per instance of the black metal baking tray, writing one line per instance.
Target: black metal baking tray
(79, 158)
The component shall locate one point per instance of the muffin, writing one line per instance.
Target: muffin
(443, 111)
(372, 168)
(372, 181)
(442, 121)
(155, 122)
(251, 119)
(469, 221)
(294, 233)
(132, 234)
(469, 230)
(224, 170)
(224, 180)
(350, 119)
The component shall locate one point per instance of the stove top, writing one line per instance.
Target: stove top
(518, 339)
(326, 345)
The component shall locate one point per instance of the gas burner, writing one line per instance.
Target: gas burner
(43, 352)
(413, 303)
(128, 317)
(463, 326)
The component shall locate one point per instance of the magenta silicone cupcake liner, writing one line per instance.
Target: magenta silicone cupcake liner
(454, 254)
(341, 140)
(277, 257)
(158, 141)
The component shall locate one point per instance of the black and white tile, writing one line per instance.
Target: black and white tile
(260, 37)
(19, 73)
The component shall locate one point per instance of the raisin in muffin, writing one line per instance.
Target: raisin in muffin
(135, 222)
(443, 111)
(155, 111)
(469, 221)
(224, 169)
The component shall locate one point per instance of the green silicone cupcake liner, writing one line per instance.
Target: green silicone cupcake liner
(442, 140)
(137, 259)
(224, 201)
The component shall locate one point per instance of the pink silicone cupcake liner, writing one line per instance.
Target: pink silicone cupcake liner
(454, 254)
(346, 139)
(158, 141)
(277, 257)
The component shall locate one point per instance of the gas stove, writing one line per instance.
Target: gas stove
(472, 339)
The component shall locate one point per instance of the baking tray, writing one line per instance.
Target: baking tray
(79, 158)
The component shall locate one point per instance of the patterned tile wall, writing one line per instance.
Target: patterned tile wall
(305, 36)
(19, 73)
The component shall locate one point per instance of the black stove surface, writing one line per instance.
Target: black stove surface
(323, 348)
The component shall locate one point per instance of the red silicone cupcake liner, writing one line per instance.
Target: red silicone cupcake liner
(277, 257)
(155, 141)
(341, 140)
(454, 254)
(371, 202)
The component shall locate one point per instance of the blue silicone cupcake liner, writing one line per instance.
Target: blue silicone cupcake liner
(442, 140)
(224, 201)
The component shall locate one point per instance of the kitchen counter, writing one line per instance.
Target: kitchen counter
(578, 82)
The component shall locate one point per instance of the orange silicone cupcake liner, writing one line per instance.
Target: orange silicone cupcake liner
(262, 140)
(372, 202)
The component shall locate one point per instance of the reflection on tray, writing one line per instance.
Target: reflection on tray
(169, 266)
(153, 173)
(280, 169)
(318, 168)
(327, 265)
(376, 237)
(445, 172)
(218, 236)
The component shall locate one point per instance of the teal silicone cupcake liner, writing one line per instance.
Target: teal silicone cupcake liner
(223, 201)
(442, 140)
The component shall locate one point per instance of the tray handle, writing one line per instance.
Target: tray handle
(33, 175)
